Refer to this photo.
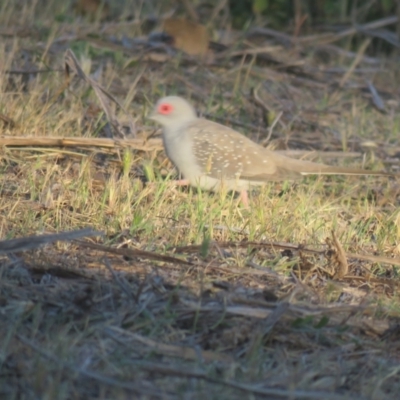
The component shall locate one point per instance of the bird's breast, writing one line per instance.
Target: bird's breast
(179, 150)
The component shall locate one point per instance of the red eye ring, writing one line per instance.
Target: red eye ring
(165, 108)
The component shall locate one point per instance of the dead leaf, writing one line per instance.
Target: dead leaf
(188, 36)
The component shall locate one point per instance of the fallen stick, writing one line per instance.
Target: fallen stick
(137, 144)
(32, 242)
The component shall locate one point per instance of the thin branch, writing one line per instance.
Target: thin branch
(32, 242)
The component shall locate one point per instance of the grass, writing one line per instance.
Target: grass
(229, 315)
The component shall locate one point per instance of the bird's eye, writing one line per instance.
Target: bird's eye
(165, 109)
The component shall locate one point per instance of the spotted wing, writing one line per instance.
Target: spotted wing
(223, 153)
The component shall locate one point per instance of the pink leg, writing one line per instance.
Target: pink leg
(181, 182)
(244, 198)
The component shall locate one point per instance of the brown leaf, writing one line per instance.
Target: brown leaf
(190, 37)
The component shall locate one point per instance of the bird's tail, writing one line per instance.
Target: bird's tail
(321, 169)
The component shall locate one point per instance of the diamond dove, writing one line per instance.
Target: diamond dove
(212, 156)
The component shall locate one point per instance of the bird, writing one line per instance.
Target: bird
(215, 157)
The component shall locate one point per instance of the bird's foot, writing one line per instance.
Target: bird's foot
(180, 182)
(244, 198)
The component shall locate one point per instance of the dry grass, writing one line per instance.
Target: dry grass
(188, 295)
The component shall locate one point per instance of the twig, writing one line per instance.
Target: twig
(245, 52)
(171, 350)
(265, 107)
(31, 71)
(332, 37)
(377, 259)
(245, 387)
(271, 128)
(134, 253)
(289, 246)
(286, 393)
(341, 259)
(356, 61)
(32, 242)
(45, 141)
(325, 39)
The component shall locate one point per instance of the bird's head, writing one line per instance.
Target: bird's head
(173, 112)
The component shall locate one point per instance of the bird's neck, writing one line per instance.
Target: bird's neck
(177, 130)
